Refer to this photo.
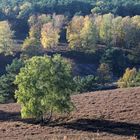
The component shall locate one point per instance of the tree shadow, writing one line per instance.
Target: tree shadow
(86, 125)
(6, 116)
(13, 117)
(112, 127)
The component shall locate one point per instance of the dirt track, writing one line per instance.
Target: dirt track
(105, 115)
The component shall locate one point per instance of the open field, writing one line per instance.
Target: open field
(102, 115)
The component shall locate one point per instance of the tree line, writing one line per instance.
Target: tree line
(107, 35)
(18, 11)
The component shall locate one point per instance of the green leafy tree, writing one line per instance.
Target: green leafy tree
(104, 74)
(74, 32)
(31, 47)
(89, 34)
(117, 32)
(7, 86)
(116, 64)
(44, 87)
(25, 10)
(137, 79)
(101, 7)
(105, 28)
(86, 84)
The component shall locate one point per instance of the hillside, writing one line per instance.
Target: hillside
(104, 115)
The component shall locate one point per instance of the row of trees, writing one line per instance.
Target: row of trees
(88, 32)
(44, 31)
(82, 32)
(108, 36)
(18, 11)
(24, 8)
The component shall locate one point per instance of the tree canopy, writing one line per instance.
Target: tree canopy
(44, 87)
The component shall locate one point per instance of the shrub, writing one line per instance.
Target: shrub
(31, 47)
(7, 86)
(44, 87)
(104, 74)
(116, 59)
(86, 84)
(128, 79)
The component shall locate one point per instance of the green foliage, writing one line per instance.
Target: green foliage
(137, 79)
(86, 84)
(102, 7)
(118, 7)
(74, 32)
(89, 34)
(15, 66)
(105, 28)
(31, 47)
(104, 74)
(116, 64)
(82, 33)
(2, 100)
(44, 87)
(7, 86)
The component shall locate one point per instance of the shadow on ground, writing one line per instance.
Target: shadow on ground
(86, 125)
(93, 125)
(6, 116)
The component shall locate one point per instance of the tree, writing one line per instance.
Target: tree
(104, 74)
(101, 7)
(44, 87)
(116, 64)
(117, 32)
(105, 28)
(89, 34)
(7, 86)
(129, 33)
(49, 36)
(59, 20)
(31, 47)
(74, 32)
(128, 79)
(86, 84)
(35, 32)
(7, 43)
(25, 10)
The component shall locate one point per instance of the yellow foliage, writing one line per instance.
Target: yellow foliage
(81, 32)
(7, 43)
(49, 36)
(88, 33)
(128, 78)
(74, 30)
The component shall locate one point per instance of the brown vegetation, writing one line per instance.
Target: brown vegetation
(102, 115)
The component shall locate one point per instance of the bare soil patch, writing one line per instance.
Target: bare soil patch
(102, 115)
